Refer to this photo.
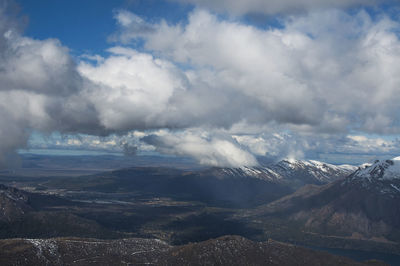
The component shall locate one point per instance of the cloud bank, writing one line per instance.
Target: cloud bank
(325, 72)
(271, 7)
(219, 90)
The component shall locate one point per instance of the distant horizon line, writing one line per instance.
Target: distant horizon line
(356, 159)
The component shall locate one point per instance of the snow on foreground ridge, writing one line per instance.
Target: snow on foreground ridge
(381, 169)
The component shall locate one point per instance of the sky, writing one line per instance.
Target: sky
(228, 83)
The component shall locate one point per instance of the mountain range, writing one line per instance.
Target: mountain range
(234, 187)
(302, 202)
(293, 173)
(363, 206)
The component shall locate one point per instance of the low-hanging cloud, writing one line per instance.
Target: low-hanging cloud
(207, 149)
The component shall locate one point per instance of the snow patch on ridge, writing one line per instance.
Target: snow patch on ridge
(381, 169)
(291, 169)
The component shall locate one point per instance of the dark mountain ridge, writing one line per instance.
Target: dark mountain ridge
(365, 205)
(224, 187)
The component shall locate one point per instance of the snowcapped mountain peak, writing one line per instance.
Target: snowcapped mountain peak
(380, 170)
(296, 173)
(380, 177)
(321, 166)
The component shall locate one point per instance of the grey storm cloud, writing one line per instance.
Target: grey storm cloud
(324, 73)
(129, 150)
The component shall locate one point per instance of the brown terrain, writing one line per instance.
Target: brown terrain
(227, 250)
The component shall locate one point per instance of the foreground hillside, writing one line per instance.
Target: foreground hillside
(227, 250)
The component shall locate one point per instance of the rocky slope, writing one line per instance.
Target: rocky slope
(24, 214)
(363, 206)
(228, 250)
(13, 204)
